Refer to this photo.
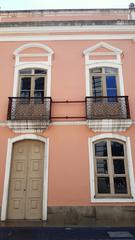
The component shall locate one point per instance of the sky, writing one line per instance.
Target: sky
(62, 4)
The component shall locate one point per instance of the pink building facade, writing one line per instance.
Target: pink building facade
(67, 116)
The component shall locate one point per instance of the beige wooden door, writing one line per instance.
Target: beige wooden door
(26, 181)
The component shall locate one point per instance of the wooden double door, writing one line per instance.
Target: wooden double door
(25, 198)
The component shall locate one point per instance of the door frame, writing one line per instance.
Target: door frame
(11, 141)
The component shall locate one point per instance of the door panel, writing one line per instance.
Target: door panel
(35, 180)
(16, 203)
(26, 181)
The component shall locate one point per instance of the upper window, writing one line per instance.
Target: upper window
(32, 82)
(104, 82)
(111, 173)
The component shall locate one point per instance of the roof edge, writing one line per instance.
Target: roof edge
(64, 10)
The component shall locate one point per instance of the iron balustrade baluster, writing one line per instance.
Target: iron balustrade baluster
(112, 107)
(33, 108)
(39, 108)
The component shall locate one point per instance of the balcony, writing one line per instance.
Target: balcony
(33, 112)
(108, 113)
(107, 107)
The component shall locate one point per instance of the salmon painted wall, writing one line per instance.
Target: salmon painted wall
(68, 163)
(68, 71)
(68, 145)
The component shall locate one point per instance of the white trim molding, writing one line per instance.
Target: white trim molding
(64, 29)
(11, 141)
(100, 125)
(65, 37)
(104, 45)
(54, 123)
(33, 45)
(91, 140)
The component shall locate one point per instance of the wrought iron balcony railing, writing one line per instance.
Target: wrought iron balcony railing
(107, 107)
(33, 108)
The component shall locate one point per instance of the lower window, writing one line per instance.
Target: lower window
(111, 171)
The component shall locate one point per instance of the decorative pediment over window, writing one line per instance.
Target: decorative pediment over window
(102, 45)
(33, 52)
(102, 52)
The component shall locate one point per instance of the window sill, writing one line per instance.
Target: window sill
(109, 125)
(28, 126)
(112, 199)
(113, 196)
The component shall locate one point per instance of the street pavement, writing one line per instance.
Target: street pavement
(67, 233)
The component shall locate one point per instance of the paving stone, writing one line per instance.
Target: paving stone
(120, 234)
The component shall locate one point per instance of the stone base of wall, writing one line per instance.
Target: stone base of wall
(86, 216)
(91, 216)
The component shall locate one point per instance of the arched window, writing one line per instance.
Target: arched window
(111, 171)
(32, 82)
(32, 56)
(104, 82)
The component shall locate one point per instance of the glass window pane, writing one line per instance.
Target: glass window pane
(96, 70)
(26, 71)
(112, 93)
(111, 82)
(103, 185)
(111, 88)
(117, 149)
(102, 166)
(111, 70)
(120, 185)
(101, 149)
(40, 71)
(96, 86)
(39, 83)
(39, 94)
(25, 83)
(25, 94)
(39, 87)
(119, 167)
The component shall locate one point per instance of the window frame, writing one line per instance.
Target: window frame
(33, 79)
(114, 199)
(103, 79)
(111, 175)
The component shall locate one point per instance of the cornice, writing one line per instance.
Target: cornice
(68, 23)
(55, 27)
